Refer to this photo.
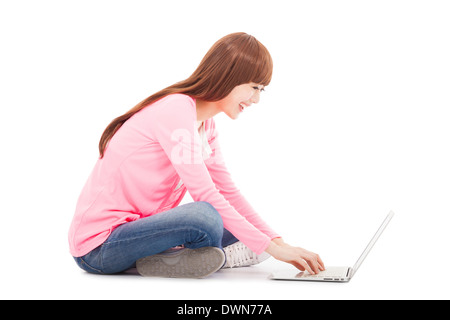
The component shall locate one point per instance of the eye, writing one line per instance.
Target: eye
(257, 88)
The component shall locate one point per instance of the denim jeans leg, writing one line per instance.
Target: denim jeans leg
(228, 238)
(193, 225)
(91, 262)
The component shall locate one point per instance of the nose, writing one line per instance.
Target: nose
(255, 97)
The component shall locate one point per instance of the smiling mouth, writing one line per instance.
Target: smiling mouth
(242, 106)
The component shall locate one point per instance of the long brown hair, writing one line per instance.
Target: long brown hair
(236, 59)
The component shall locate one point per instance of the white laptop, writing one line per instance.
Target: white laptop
(334, 274)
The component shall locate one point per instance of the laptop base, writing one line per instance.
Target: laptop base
(331, 274)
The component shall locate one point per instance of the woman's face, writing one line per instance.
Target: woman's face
(240, 98)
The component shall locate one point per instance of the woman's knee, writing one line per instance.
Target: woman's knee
(210, 220)
(207, 211)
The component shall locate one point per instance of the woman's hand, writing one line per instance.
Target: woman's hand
(300, 258)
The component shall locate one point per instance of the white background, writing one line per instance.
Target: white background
(355, 123)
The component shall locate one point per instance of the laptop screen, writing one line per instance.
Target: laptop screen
(372, 242)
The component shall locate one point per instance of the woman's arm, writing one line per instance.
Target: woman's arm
(224, 183)
(300, 258)
(173, 126)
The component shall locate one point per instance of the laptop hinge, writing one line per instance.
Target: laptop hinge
(348, 271)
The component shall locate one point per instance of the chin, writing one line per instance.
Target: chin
(233, 116)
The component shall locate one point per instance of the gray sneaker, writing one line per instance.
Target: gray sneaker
(182, 263)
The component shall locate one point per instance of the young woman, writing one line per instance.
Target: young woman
(128, 214)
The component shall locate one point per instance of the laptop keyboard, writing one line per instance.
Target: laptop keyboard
(325, 273)
(331, 274)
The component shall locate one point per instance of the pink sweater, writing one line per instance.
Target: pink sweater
(140, 173)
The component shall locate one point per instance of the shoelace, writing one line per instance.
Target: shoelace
(238, 255)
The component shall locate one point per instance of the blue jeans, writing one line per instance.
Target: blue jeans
(193, 225)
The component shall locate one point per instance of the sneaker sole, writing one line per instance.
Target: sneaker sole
(187, 263)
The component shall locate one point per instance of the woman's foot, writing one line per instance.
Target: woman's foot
(182, 263)
(239, 255)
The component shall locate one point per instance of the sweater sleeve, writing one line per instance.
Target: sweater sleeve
(174, 127)
(223, 181)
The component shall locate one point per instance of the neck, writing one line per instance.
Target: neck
(206, 109)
